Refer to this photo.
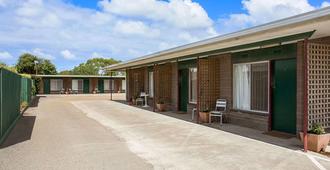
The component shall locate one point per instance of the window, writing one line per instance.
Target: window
(251, 86)
(151, 84)
(123, 84)
(56, 84)
(193, 85)
(107, 85)
(77, 85)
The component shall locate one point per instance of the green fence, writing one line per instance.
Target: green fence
(13, 90)
(26, 90)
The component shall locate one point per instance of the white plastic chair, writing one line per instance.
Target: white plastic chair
(220, 108)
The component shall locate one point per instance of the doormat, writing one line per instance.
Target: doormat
(281, 135)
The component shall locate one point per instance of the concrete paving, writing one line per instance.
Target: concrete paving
(84, 132)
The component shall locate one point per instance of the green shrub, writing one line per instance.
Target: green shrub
(317, 129)
(24, 104)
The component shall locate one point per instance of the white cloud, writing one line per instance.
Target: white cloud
(178, 13)
(261, 11)
(325, 4)
(68, 55)
(135, 28)
(40, 53)
(4, 55)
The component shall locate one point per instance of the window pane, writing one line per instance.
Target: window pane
(193, 85)
(106, 85)
(259, 90)
(242, 86)
(56, 84)
(151, 84)
(74, 84)
(80, 84)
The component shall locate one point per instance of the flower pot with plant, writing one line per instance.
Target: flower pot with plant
(204, 116)
(317, 138)
(161, 106)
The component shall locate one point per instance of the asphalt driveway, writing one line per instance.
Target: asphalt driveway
(84, 132)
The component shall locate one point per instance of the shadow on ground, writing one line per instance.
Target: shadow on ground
(275, 138)
(21, 132)
(23, 128)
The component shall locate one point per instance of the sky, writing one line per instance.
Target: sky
(69, 32)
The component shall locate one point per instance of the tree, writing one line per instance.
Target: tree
(47, 67)
(26, 65)
(66, 72)
(93, 66)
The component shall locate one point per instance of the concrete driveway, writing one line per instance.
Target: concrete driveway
(85, 132)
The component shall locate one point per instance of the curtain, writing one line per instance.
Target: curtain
(242, 86)
(106, 85)
(151, 84)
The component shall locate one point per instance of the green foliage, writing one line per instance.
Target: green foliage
(26, 64)
(37, 84)
(5, 66)
(66, 72)
(317, 129)
(93, 66)
(24, 104)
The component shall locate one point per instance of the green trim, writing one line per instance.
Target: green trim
(272, 53)
(187, 64)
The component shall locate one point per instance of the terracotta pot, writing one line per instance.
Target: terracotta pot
(316, 142)
(204, 117)
(161, 107)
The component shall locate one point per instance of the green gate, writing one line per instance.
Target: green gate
(284, 96)
(100, 85)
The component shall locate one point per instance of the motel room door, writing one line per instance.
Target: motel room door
(183, 89)
(284, 96)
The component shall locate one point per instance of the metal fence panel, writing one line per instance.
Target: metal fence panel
(26, 87)
(10, 100)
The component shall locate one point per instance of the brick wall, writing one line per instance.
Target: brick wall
(175, 87)
(226, 79)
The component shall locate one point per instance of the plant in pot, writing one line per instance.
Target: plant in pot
(317, 138)
(204, 115)
(161, 106)
(134, 97)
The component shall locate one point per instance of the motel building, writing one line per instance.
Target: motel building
(80, 84)
(274, 77)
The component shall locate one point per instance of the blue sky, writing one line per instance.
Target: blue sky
(69, 32)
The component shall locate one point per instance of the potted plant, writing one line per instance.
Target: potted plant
(134, 97)
(317, 139)
(204, 115)
(161, 106)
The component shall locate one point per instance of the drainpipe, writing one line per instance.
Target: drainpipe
(154, 89)
(198, 91)
(305, 115)
(111, 80)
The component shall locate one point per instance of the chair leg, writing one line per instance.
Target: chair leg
(221, 120)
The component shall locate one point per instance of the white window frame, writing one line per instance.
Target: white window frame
(268, 87)
(56, 88)
(189, 81)
(123, 85)
(77, 80)
(106, 84)
(151, 83)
